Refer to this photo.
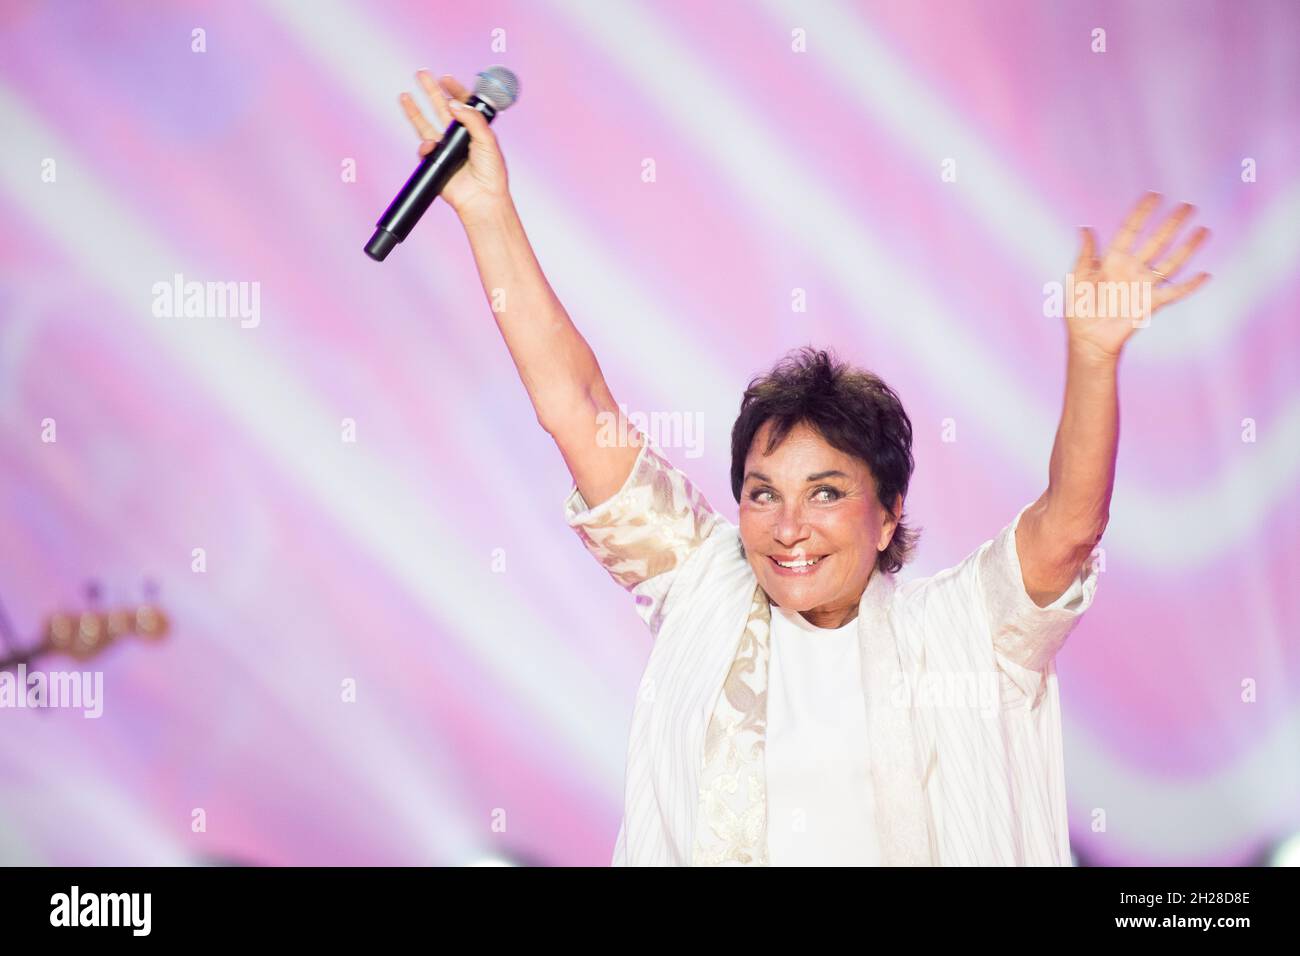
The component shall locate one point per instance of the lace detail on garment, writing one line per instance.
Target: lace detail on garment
(732, 819)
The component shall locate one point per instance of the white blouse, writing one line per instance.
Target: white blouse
(820, 807)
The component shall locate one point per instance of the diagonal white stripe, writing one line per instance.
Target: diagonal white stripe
(1150, 814)
(869, 74)
(385, 516)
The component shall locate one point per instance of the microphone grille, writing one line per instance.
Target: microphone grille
(498, 86)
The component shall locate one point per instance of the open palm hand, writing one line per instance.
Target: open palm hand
(1116, 294)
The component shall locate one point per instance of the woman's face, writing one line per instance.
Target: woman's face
(805, 501)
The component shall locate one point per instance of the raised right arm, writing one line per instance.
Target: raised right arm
(557, 367)
(555, 363)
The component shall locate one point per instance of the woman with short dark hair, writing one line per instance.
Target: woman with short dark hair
(853, 411)
(800, 706)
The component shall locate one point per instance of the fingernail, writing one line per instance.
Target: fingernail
(456, 104)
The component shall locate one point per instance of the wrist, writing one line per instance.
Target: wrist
(1087, 353)
(486, 210)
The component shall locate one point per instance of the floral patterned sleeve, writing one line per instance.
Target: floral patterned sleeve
(646, 531)
(1026, 636)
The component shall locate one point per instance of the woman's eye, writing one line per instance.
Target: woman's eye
(831, 493)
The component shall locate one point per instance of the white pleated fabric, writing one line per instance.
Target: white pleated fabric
(963, 708)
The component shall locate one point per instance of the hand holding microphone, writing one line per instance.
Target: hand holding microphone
(464, 164)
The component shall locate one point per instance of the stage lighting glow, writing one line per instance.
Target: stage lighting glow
(1286, 853)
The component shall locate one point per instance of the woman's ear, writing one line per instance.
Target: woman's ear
(890, 524)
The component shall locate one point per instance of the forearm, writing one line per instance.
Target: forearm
(1058, 533)
(1081, 475)
(555, 363)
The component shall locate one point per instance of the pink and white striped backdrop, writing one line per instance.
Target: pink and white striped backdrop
(792, 146)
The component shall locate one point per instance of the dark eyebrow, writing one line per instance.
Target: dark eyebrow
(817, 477)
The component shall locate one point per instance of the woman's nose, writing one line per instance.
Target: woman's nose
(790, 524)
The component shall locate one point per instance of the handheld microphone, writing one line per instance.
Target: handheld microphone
(496, 89)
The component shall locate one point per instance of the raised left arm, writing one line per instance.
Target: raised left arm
(1113, 296)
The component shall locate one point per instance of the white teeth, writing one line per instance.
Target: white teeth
(798, 564)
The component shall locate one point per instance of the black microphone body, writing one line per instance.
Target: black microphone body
(424, 185)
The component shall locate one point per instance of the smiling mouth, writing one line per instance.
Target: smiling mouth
(801, 567)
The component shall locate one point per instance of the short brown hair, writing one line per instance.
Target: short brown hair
(852, 409)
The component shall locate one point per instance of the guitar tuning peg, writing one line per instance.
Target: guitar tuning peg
(118, 622)
(151, 622)
(61, 631)
(90, 634)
